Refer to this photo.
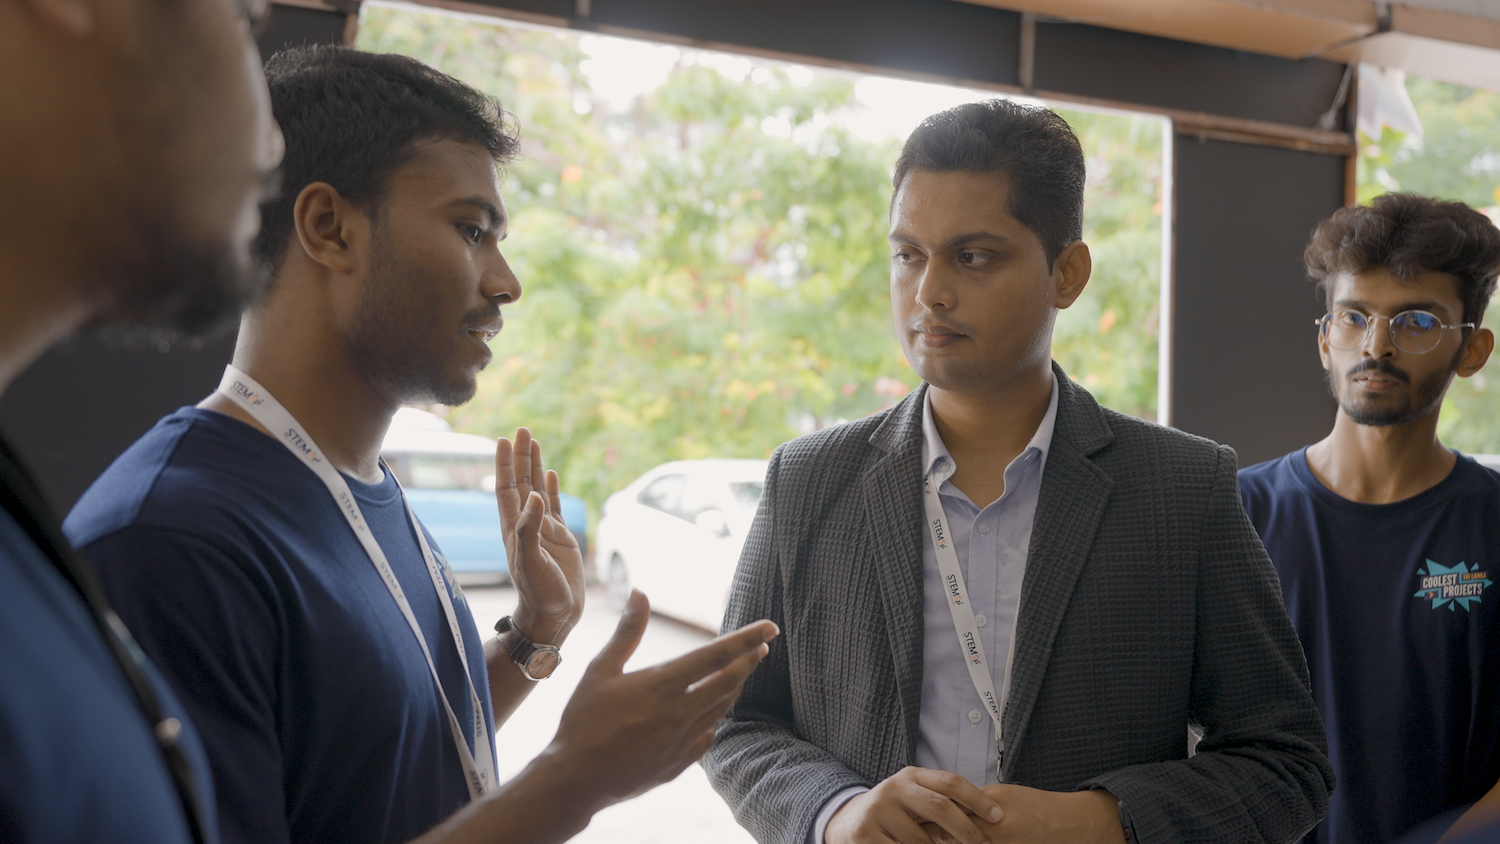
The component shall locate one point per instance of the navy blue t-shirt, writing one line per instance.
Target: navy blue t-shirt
(1396, 608)
(78, 761)
(232, 565)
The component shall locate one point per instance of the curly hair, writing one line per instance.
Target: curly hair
(1406, 234)
(350, 118)
(1031, 147)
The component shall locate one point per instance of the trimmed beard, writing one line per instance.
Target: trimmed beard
(177, 293)
(1426, 400)
(391, 342)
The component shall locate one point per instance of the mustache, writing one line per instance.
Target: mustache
(1384, 367)
(484, 319)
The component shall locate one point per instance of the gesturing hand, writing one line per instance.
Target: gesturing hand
(624, 734)
(914, 806)
(545, 562)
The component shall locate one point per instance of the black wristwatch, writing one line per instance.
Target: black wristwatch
(537, 662)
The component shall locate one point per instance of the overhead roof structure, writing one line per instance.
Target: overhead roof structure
(1455, 41)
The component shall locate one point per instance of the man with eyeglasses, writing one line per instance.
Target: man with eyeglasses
(1387, 543)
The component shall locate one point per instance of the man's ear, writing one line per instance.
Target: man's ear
(1323, 349)
(330, 229)
(1477, 351)
(1071, 271)
(72, 18)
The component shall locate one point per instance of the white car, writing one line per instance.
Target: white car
(676, 532)
(1489, 461)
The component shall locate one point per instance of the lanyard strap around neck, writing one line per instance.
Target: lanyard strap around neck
(964, 623)
(264, 408)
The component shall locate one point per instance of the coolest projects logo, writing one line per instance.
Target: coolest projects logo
(1453, 586)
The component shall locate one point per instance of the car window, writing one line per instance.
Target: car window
(449, 471)
(663, 494)
(697, 496)
(746, 494)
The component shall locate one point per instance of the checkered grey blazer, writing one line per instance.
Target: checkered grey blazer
(1148, 606)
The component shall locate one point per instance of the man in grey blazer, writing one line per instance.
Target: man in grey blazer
(1000, 574)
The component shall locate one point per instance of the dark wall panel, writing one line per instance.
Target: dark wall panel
(1126, 67)
(1245, 361)
(83, 403)
(291, 26)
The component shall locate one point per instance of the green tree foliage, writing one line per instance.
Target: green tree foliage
(706, 272)
(1457, 158)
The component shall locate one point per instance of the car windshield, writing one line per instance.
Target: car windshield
(746, 494)
(450, 471)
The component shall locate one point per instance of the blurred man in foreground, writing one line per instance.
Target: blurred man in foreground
(1004, 606)
(1387, 542)
(135, 147)
(135, 143)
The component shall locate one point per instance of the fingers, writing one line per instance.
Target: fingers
(537, 477)
(952, 820)
(523, 458)
(627, 635)
(962, 792)
(505, 479)
(716, 695)
(719, 653)
(554, 493)
(727, 680)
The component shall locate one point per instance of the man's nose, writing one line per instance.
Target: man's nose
(1378, 343)
(935, 289)
(500, 284)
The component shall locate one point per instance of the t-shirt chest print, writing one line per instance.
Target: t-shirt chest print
(1451, 586)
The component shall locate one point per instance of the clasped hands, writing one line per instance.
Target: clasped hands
(923, 806)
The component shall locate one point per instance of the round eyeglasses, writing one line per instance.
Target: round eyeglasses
(1415, 332)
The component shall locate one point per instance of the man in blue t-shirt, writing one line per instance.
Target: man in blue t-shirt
(133, 147)
(266, 558)
(1387, 543)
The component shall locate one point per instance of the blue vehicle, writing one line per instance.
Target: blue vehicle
(449, 479)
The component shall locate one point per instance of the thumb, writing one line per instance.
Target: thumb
(528, 531)
(627, 635)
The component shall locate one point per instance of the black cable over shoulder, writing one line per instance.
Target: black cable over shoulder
(21, 498)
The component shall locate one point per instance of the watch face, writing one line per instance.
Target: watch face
(542, 663)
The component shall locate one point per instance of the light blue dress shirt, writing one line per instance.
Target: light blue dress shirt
(954, 733)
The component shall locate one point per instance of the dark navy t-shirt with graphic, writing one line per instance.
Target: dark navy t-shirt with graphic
(1398, 613)
(234, 568)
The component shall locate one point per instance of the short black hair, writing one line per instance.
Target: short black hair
(1032, 148)
(1406, 234)
(350, 118)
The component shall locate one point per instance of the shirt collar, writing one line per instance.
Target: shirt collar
(934, 450)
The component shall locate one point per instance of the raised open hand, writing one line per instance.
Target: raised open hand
(545, 562)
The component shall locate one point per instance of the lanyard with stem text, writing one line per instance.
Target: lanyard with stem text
(964, 622)
(479, 774)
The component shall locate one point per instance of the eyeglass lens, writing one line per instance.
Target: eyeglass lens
(1411, 331)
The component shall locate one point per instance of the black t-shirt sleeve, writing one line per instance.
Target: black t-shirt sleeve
(209, 620)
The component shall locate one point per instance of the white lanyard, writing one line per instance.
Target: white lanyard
(964, 623)
(259, 403)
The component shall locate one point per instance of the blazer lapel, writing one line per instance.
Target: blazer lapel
(893, 508)
(1069, 507)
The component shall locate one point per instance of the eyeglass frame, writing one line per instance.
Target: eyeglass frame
(1390, 327)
